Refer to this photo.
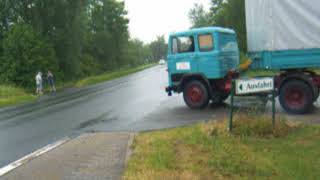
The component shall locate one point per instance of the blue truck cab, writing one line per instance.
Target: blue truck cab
(199, 64)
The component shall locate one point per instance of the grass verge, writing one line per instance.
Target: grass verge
(10, 95)
(111, 75)
(207, 151)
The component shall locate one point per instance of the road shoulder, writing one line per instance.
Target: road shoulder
(90, 156)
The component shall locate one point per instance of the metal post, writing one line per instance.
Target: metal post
(230, 124)
(274, 108)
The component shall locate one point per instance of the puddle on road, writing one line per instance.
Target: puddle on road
(100, 119)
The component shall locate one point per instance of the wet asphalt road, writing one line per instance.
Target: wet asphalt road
(133, 103)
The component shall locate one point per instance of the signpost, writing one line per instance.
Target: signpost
(252, 86)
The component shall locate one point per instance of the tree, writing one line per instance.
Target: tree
(84, 37)
(199, 17)
(231, 14)
(158, 48)
(108, 28)
(223, 13)
(24, 54)
(138, 52)
(216, 6)
(60, 22)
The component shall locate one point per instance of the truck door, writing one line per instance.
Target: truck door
(207, 56)
(228, 52)
(183, 57)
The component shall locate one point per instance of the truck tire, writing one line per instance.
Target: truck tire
(196, 95)
(296, 97)
(317, 94)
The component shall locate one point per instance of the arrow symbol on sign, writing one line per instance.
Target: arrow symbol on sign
(241, 87)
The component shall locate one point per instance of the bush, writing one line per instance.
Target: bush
(24, 54)
(89, 66)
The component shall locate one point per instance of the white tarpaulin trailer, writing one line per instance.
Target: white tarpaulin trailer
(283, 24)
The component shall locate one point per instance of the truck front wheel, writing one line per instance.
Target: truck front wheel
(296, 97)
(196, 95)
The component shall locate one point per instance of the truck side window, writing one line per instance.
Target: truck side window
(228, 43)
(205, 42)
(183, 44)
(175, 46)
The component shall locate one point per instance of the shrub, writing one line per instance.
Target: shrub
(24, 54)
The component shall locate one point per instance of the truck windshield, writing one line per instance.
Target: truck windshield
(183, 44)
(228, 42)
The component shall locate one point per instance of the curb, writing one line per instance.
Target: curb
(10, 167)
(129, 150)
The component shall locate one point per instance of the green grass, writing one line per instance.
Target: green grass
(10, 95)
(111, 75)
(208, 151)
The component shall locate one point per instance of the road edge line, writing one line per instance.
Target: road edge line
(10, 167)
(128, 149)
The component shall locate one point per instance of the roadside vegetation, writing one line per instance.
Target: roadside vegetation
(10, 95)
(207, 151)
(109, 76)
(76, 40)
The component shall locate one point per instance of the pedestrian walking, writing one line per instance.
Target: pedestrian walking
(39, 83)
(50, 78)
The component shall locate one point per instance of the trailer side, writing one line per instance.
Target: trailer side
(283, 34)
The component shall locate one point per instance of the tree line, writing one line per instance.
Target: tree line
(72, 38)
(223, 13)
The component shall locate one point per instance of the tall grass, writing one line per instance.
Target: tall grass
(10, 95)
(110, 75)
(208, 151)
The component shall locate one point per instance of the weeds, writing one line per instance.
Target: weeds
(208, 151)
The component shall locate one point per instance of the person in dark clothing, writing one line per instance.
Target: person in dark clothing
(51, 81)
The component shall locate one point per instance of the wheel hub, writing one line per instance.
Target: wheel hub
(195, 94)
(295, 97)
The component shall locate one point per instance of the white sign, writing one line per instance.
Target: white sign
(183, 66)
(255, 85)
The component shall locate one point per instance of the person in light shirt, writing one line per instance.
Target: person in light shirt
(39, 83)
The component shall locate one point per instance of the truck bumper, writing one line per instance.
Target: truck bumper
(171, 89)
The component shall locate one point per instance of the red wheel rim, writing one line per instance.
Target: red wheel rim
(295, 97)
(195, 94)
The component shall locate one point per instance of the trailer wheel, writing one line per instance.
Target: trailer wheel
(296, 97)
(196, 95)
(317, 94)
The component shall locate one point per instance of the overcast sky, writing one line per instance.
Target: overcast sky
(150, 18)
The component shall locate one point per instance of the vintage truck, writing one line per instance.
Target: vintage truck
(282, 35)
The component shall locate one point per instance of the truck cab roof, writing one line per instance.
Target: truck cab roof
(203, 30)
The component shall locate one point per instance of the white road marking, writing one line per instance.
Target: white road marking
(31, 156)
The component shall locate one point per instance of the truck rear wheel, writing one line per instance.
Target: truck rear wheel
(196, 95)
(317, 94)
(296, 97)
